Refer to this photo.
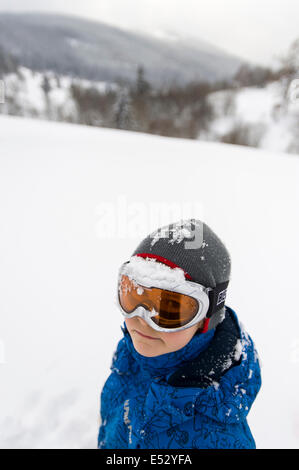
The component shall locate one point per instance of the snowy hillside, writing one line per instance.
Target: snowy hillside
(45, 96)
(74, 203)
(260, 117)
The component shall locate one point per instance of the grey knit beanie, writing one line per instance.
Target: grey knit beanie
(194, 247)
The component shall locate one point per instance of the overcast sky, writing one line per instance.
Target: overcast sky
(258, 30)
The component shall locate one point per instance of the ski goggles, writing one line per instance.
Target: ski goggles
(163, 310)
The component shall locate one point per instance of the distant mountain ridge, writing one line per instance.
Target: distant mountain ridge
(96, 51)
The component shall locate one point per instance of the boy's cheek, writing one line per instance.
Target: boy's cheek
(140, 324)
(178, 339)
(172, 341)
(128, 322)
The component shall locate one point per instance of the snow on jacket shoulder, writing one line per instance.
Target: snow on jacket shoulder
(197, 397)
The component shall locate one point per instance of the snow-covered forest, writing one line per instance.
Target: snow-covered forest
(258, 107)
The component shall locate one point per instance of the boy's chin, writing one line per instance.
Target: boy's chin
(146, 350)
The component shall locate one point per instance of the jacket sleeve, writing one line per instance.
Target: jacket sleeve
(101, 437)
(101, 432)
(108, 391)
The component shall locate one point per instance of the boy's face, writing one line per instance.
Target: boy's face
(150, 342)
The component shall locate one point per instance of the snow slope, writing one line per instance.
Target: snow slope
(59, 324)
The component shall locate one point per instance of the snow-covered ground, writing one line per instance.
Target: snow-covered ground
(63, 189)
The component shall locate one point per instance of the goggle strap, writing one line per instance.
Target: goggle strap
(217, 298)
(205, 325)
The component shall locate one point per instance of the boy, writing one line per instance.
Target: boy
(185, 374)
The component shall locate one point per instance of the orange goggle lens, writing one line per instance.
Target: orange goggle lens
(174, 309)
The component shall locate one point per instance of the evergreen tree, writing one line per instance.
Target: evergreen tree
(8, 64)
(46, 86)
(142, 85)
(123, 112)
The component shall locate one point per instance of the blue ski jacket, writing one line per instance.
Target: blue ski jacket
(197, 397)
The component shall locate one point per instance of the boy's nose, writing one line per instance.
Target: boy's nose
(143, 322)
(146, 329)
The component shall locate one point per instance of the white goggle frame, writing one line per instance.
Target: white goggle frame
(192, 289)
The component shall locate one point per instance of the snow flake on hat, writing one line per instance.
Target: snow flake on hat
(179, 231)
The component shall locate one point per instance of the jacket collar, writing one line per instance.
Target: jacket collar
(167, 363)
(220, 355)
